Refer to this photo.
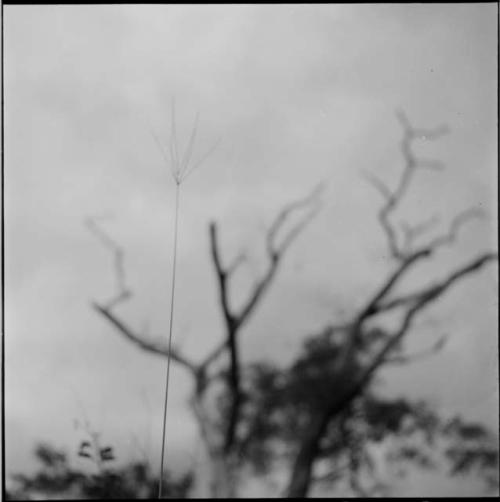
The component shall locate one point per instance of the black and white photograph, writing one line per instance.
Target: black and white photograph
(250, 251)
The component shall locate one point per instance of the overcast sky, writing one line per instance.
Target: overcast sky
(296, 95)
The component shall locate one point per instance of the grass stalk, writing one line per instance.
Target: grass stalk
(172, 299)
(181, 168)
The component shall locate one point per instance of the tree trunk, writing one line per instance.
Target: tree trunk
(302, 470)
(221, 482)
(301, 474)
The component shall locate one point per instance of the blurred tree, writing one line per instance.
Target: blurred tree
(279, 405)
(323, 412)
(56, 479)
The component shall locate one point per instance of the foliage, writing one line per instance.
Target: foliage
(280, 402)
(57, 479)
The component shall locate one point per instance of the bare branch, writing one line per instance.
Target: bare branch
(276, 251)
(410, 358)
(239, 260)
(376, 182)
(390, 233)
(420, 301)
(373, 305)
(310, 201)
(434, 291)
(222, 276)
(393, 198)
(458, 221)
(231, 341)
(299, 226)
(147, 346)
(123, 293)
(412, 232)
(215, 354)
(382, 355)
(234, 321)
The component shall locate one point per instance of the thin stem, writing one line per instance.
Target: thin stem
(172, 297)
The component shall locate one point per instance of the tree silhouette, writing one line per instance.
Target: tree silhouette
(280, 404)
(323, 412)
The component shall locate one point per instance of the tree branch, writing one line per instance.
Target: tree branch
(458, 221)
(222, 276)
(302, 470)
(373, 305)
(311, 201)
(411, 232)
(434, 291)
(372, 308)
(414, 303)
(410, 358)
(231, 342)
(123, 293)
(138, 340)
(377, 183)
(275, 251)
(393, 197)
(239, 260)
(234, 321)
(419, 302)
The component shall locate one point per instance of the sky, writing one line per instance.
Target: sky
(294, 95)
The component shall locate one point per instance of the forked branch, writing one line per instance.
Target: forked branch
(278, 239)
(274, 253)
(433, 291)
(123, 293)
(394, 197)
(383, 300)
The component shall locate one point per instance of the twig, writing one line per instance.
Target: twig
(123, 293)
(410, 358)
(147, 346)
(412, 232)
(456, 224)
(393, 197)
